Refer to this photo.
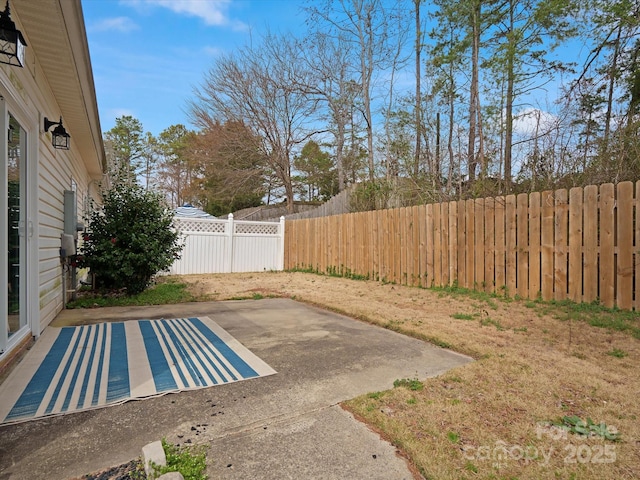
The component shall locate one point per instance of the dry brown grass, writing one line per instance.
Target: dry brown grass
(485, 419)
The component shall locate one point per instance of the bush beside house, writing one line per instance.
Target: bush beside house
(129, 239)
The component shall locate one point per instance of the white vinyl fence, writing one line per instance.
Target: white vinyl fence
(224, 246)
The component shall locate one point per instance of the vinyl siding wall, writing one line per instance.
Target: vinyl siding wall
(29, 95)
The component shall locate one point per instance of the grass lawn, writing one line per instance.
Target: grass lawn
(536, 363)
(165, 291)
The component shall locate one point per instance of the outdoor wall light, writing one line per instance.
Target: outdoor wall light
(11, 40)
(59, 136)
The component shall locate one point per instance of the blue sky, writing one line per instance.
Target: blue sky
(149, 55)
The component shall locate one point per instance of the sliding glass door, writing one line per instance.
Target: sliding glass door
(14, 225)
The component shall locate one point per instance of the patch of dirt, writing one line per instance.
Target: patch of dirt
(134, 470)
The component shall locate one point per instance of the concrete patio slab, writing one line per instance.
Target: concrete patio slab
(288, 425)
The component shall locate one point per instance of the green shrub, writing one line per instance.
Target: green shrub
(129, 239)
(191, 461)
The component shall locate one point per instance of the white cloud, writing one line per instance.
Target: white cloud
(212, 51)
(120, 24)
(530, 120)
(212, 12)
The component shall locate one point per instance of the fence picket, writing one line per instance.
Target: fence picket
(470, 247)
(373, 249)
(444, 221)
(499, 255)
(462, 243)
(354, 242)
(386, 242)
(607, 247)
(510, 244)
(429, 246)
(490, 243)
(534, 245)
(407, 245)
(313, 250)
(561, 234)
(422, 225)
(397, 275)
(478, 227)
(575, 244)
(522, 249)
(547, 236)
(437, 244)
(590, 254)
(624, 263)
(636, 260)
(415, 222)
(453, 243)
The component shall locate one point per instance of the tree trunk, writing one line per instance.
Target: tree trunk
(452, 99)
(508, 136)
(416, 166)
(473, 90)
(339, 157)
(612, 83)
(436, 170)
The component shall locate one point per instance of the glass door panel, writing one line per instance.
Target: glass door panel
(16, 238)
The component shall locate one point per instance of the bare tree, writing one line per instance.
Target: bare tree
(475, 122)
(364, 25)
(257, 86)
(327, 59)
(397, 59)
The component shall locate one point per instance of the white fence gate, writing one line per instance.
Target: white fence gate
(224, 246)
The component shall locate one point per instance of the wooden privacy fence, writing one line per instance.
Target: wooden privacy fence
(579, 244)
(224, 246)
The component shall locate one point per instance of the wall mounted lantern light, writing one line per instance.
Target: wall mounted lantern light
(11, 40)
(59, 136)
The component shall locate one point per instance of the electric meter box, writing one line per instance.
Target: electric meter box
(71, 224)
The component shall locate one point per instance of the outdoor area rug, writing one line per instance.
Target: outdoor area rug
(79, 368)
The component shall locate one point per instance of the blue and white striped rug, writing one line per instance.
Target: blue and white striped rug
(71, 369)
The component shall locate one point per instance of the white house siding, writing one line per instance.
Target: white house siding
(55, 176)
(31, 95)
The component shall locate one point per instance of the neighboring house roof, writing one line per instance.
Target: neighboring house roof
(189, 211)
(55, 31)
